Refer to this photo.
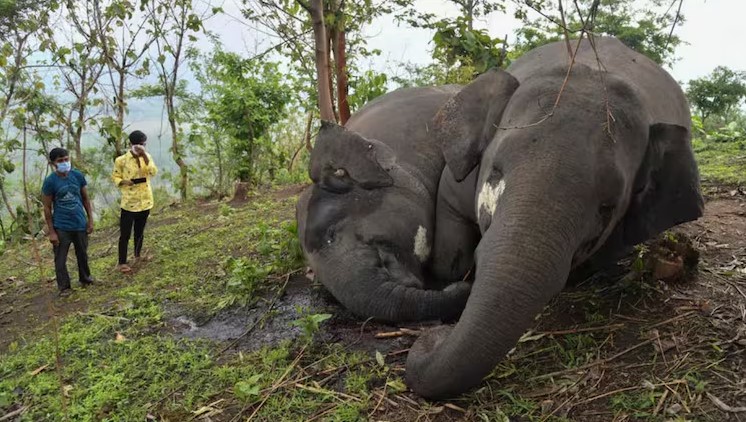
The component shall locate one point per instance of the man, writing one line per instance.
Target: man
(132, 173)
(65, 198)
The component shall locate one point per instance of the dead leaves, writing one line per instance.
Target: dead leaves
(38, 370)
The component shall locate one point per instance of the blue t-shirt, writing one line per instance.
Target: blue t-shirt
(68, 213)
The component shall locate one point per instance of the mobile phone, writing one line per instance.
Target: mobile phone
(139, 180)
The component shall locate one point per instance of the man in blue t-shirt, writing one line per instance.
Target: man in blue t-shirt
(65, 189)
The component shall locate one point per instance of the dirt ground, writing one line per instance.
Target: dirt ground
(620, 338)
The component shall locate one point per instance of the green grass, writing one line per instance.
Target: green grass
(116, 360)
(721, 162)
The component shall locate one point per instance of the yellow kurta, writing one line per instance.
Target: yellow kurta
(139, 197)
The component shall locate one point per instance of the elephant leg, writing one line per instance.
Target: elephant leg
(456, 233)
(454, 245)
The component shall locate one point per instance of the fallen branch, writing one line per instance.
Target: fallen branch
(609, 327)
(676, 318)
(401, 332)
(724, 407)
(324, 391)
(636, 387)
(595, 363)
(14, 413)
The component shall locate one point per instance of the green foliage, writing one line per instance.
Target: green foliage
(717, 93)
(461, 52)
(721, 162)
(245, 278)
(278, 250)
(309, 323)
(365, 88)
(456, 42)
(244, 98)
(248, 389)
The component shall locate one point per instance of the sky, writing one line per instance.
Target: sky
(712, 32)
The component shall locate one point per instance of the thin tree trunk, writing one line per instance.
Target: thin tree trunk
(6, 200)
(340, 61)
(79, 131)
(119, 145)
(316, 9)
(330, 35)
(221, 176)
(306, 141)
(175, 147)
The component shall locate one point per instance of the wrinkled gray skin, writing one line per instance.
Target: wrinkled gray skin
(551, 194)
(366, 223)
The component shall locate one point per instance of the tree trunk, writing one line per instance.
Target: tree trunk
(221, 176)
(340, 61)
(330, 35)
(306, 141)
(175, 147)
(6, 200)
(79, 131)
(119, 145)
(316, 10)
(241, 193)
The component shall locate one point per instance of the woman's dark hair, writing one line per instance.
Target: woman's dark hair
(138, 138)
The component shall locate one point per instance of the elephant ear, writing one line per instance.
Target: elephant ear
(466, 123)
(342, 157)
(666, 190)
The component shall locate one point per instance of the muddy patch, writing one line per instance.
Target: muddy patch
(252, 328)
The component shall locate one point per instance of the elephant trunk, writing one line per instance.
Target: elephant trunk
(388, 291)
(523, 260)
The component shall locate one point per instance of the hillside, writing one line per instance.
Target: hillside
(223, 323)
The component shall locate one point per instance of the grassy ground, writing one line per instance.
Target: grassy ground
(721, 162)
(222, 323)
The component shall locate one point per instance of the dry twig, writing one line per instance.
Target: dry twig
(595, 363)
(13, 414)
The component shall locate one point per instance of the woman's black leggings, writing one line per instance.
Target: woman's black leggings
(126, 220)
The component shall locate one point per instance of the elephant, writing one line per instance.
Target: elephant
(366, 223)
(569, 159)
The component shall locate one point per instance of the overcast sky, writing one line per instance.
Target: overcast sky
(713, 33)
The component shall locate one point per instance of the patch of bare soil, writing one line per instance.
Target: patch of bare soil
(25, 308)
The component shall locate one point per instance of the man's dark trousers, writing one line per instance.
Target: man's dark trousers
(79, 240)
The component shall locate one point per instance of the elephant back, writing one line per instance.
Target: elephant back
(401, 119)
(657, 90)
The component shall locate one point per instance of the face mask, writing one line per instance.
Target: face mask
(64, 166)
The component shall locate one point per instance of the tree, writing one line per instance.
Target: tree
(120, 30)
(174, 24)
(83, 63)
(460, 52)
(343, 23)
(243, 98)
(25, 30)
(315, 9)
(718, 93)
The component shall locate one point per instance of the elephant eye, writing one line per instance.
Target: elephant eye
(330, 235)
(336, 180)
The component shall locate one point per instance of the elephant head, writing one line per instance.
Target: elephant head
(365, 224)
(610, 165)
